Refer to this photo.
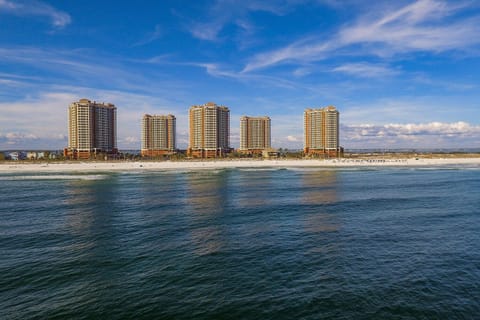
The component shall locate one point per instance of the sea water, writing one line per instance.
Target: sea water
(396, 243)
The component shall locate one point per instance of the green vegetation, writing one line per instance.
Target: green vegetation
(292, 154)
(52, 157)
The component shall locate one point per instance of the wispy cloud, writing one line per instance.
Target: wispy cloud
(206, 31)
(401, 109)
(302, 71)
(157, 33)
(216, 70)
(425, 25)
(420, 26)
(84, 67)
(300, 51)
(224, 12)
(366, 70)
(58, 18)
(457, 85)
(11, 83)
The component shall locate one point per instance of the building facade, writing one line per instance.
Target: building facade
(158, 135)
(255, 134)
(321, 132)
(209, 131)
(92, 129)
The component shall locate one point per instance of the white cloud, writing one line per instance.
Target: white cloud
(58, 18)
(287, 129)
(216, 70)
(292, 138)
(224, 12)
(10, 83)
(402, 109)
(83, 67)
(7, 5)
(434, 128)
(19, 135)
(206, 31)
(41, 121)
(411, 135)
(28, 140)
(132, 142)
(300, 72)
(420, 26)
(366, 70)
(303, 50)
(69, 63)
(131, 139)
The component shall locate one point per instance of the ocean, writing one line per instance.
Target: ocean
(366, 243)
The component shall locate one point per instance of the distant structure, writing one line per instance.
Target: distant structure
(158, 135)
(255, 134)
(321, 132)
(92, 129)
(209, 131)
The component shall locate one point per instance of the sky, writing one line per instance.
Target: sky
(403, 74)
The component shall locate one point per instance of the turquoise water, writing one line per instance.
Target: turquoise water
(248, 243)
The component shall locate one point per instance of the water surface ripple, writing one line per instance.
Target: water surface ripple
(250, 244)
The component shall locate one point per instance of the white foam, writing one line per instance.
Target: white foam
(56, 177)
(260, 169)
(76, 167)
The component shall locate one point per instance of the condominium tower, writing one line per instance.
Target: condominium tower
(158, 135)
(92, 129)
(209, 131)
(254, 134)
(321, 130)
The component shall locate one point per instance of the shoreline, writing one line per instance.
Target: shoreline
(224, 164)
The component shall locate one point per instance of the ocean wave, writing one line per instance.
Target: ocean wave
(319, 169)
(445, 168)
(56, 177)
(259, 169)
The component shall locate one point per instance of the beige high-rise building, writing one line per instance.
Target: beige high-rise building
(209, 131)
(158, 135)
(255, 134)
(321, 132)
(92, 129)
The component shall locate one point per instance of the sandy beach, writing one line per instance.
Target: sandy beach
(12, 167)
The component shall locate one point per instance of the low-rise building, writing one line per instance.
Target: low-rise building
(31, 155)
(15, 155)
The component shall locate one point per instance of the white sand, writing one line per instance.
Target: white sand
(12, 167)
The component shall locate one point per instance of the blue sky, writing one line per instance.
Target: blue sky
(403, 74)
